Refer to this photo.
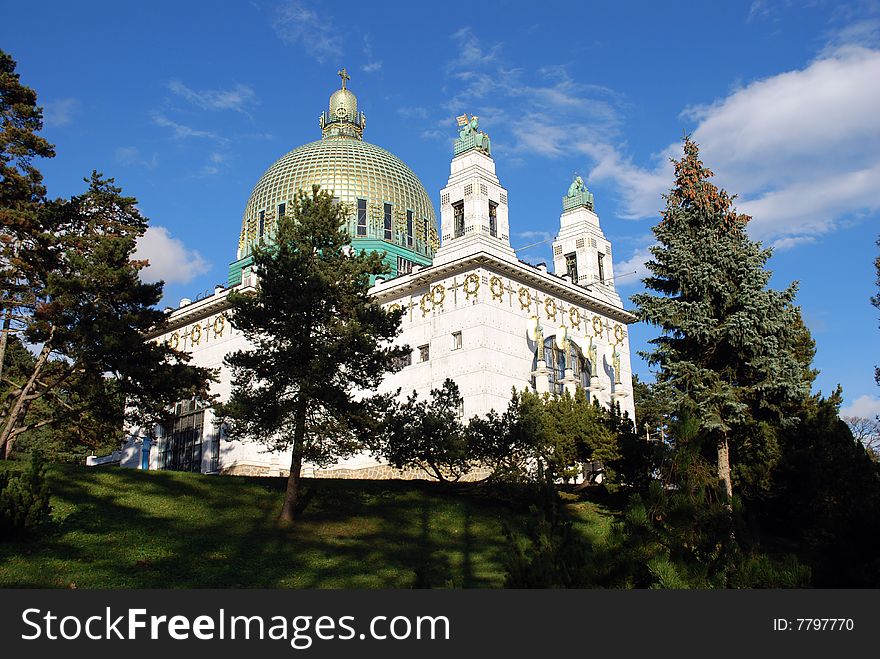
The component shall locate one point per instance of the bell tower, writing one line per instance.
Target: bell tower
(581, 250)
(473, 205)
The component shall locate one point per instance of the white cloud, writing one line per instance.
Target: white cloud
(237, 99)
(297, 24)
(470, 51)
(180, 131)
(865, 406)
(801, 149)
(60, 112)
(216, 161)
(131, 155)
(546, 111)
(631, 271)
(372, 64)
(170, 260)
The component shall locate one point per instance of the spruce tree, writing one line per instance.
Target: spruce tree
(733, 353)
(319, 341)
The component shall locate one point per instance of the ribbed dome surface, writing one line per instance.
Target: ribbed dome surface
(353, 170)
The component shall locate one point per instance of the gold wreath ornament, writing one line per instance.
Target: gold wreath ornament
(471, 285)
(438, 294)
(424, 302)
(219, 326)
(496, 288)
(525, 298)
(575, 317)
(618, 334)
(597, 325)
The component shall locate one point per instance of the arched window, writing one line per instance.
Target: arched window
(557, 361)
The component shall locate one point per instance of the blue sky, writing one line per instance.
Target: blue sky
(187, 103)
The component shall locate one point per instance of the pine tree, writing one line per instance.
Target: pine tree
(732, 351)
(21, 192)
(318, 339)
(90, 316)
(875, 300)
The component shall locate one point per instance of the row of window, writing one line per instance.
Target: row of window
(458, 219)
(571, 266)
(424, 351)
(388, 226)
(361, 221)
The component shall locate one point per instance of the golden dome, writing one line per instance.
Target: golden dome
(374, 184)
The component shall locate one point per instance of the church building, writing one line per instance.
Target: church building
(473, 311)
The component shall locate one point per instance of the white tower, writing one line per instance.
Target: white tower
(581, 250)
(473, 205)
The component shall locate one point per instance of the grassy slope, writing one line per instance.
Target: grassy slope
(115, 528)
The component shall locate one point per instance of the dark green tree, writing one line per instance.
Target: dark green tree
(319, 341)
(875, 300)
(732, 350)
(21, 193)
(90, 316)
(427, 434)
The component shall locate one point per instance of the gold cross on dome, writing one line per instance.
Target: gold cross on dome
(342, 73)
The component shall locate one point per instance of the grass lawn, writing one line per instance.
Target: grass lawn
(120, 528)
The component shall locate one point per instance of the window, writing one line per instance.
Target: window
(424, 353)
(458, 218)
(282, 208)
(362, 217)
(262, 222)
(493, 219)
(427, 234)
(460, 411)
(571, 266)
(388, 233)
(456, 340)
(409, 228)
(601, 267)
(181, 449)
(404, 266)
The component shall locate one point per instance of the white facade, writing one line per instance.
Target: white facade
(477, 315)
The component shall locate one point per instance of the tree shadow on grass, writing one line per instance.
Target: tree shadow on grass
(146, 530)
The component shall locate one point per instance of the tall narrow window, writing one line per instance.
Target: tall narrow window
(282, 208)
(262, 222)
(458, 217)
(424, 353)
(388, 233)
(571, 266)
(456, 340)
(601, 267)
(409, 229)
(362, 217)
(493, 219)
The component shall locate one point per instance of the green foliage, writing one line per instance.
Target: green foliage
(731, 348)
(428, 435)
(318, 337)
(825, 500)
(95, 365)
(552, 554)
(24, 499)
(875, 300)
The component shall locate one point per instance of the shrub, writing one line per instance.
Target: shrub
(24, 499)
